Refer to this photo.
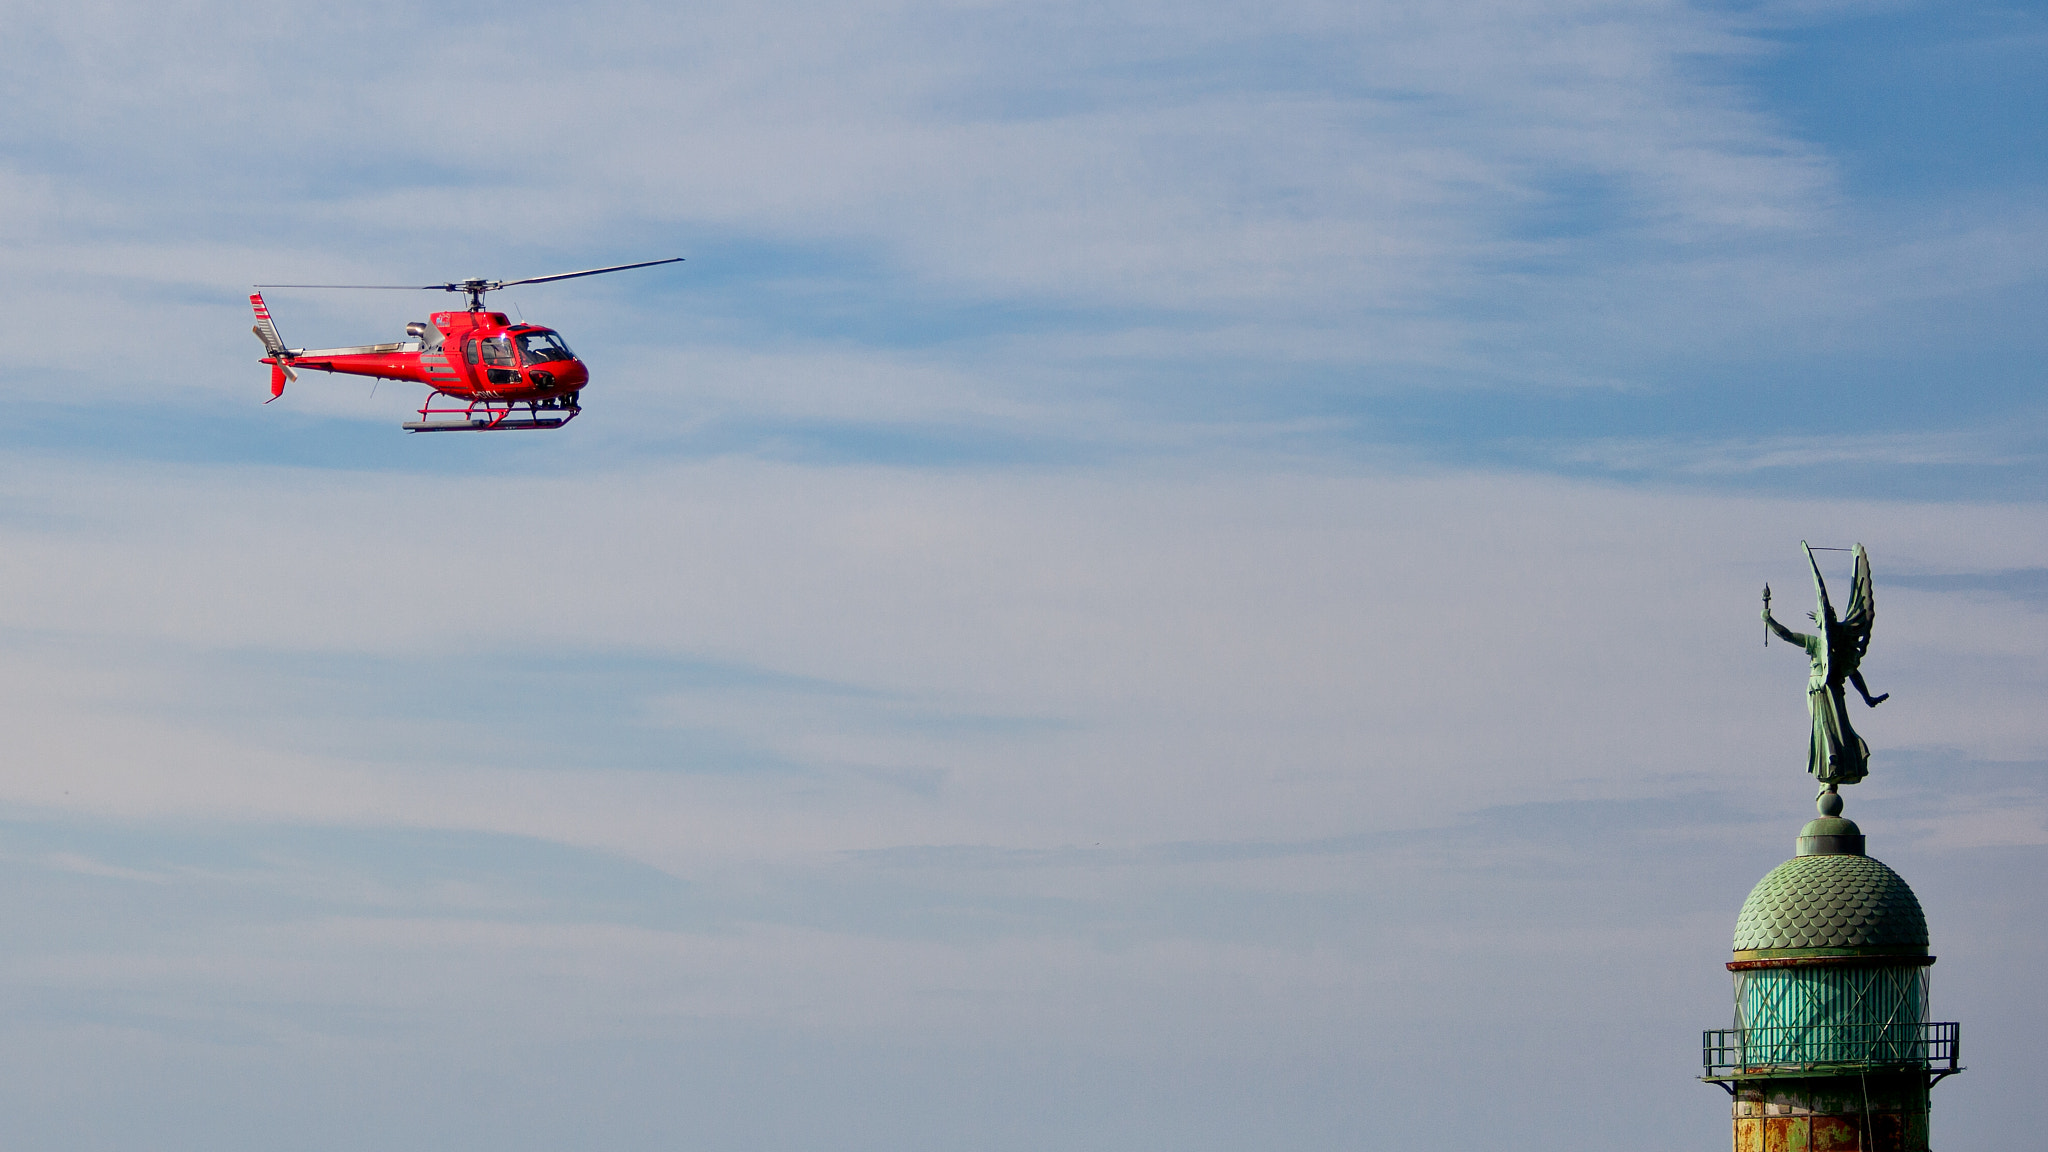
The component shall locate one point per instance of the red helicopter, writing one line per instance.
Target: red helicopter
(489, 367)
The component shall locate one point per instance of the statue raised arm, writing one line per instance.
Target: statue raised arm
(1836, 754)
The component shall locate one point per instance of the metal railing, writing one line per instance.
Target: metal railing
(1826, 1048)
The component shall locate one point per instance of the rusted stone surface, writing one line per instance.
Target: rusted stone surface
(1831, 1114)
(1835, 1134)
(1787, 1133)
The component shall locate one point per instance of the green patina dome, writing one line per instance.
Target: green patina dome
(1845, 903)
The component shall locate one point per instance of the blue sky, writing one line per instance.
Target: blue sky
(1162, 576)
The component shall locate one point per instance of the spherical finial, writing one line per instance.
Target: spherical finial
(1830, 803)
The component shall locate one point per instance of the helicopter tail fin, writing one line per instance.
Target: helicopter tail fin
(280, 356)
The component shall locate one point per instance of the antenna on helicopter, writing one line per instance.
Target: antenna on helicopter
(475, 288)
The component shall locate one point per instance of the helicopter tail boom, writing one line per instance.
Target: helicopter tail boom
(280, 357)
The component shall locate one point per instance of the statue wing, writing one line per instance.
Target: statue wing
(1820, 588)
(1862, 614)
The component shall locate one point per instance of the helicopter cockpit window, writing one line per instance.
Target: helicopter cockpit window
(498, 352)
(541, 347)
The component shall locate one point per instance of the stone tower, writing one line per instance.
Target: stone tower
(1831, 1050)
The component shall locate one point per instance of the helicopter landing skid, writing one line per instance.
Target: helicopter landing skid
(493, 416)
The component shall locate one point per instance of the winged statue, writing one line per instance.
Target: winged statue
(1836, 755)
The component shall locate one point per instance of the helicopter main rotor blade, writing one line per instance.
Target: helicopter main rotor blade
(585, 272)
(401, 287)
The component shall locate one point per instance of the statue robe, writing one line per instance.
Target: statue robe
(1836, 754)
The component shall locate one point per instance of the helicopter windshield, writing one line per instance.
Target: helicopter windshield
(541, 347)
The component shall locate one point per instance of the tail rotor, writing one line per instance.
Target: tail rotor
(279, 357)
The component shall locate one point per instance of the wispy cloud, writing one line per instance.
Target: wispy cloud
(1335, 171)
(1726, 457)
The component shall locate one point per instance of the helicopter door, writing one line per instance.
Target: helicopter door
(500, 365)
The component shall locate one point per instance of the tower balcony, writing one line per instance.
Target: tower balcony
(1811, 1050)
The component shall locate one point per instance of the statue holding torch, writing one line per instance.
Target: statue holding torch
(1836, 755)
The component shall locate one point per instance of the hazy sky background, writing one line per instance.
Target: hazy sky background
(1164, 577)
